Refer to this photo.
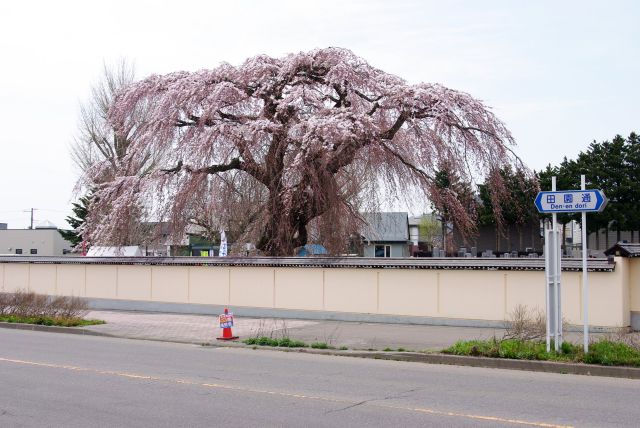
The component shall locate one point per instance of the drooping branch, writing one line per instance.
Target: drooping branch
(235, 163)
(406, 163)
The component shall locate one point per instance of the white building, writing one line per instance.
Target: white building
(44, 240)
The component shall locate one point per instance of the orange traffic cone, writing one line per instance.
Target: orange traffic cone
(226, 322)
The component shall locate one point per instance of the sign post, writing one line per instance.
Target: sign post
(557, 261)
(585, 279)
(566, 201)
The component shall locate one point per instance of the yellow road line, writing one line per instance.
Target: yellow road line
(280, 393)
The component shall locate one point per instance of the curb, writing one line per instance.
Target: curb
(49, 328)
(414, 357)
(485, 362)
(503, 363)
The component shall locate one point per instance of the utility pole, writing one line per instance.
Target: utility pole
(31, 210)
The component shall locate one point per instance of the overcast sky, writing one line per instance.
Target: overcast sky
(559, 74)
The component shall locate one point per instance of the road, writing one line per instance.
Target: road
(62, 380)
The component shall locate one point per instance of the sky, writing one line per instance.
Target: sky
(559, 74)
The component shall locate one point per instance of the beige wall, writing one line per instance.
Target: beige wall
(470, 294)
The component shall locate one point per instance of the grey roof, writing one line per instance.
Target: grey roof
(469, 263)
(386, 227)
(624, 249)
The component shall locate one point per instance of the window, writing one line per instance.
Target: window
(383, 251)
(18, 250)
(34, 251)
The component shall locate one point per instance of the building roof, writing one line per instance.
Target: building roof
(127, 251)
(46, 224)
(387, 227)
(624, 249)
(448, 263)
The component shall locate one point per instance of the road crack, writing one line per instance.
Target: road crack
(342, 409)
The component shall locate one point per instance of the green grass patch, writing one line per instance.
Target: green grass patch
(608, 353)
(51, 321)
(319, 345)
(284, 342)
(603, 352)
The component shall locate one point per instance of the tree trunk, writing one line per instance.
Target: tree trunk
(285, 231)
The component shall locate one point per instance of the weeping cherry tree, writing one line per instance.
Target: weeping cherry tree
(287, 151)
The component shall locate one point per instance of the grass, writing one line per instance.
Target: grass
(319, 345)
(51, 321)
(284, 342)
(603, 352)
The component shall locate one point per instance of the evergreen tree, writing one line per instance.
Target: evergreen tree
(611, 166)
(515, 209)
(80, 210)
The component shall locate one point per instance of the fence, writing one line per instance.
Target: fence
(465, 291)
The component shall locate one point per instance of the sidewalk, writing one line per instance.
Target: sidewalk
(202, 329)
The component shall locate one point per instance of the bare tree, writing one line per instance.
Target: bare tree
(291, 147)
(98, 144)
(96, 141)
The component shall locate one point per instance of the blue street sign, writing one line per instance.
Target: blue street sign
(571, 201)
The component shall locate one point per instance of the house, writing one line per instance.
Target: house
(44, 240)
(386, 234)
(425, 233)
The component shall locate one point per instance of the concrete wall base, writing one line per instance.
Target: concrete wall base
(635, 321)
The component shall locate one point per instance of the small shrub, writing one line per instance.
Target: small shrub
(473, 347)
(29, 307)
(526, 324)
(625, 336)
(267, 341)
(343, 348)
(319, 345)
(401, 350)
(290, 343)
(387, 349)
(570, 348)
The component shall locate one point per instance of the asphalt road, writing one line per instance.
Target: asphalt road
(61, 380)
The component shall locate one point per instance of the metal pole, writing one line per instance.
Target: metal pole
(585, 280)
(554, 217)
(547, 277)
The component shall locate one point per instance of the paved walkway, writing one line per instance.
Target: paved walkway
(201, 329)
